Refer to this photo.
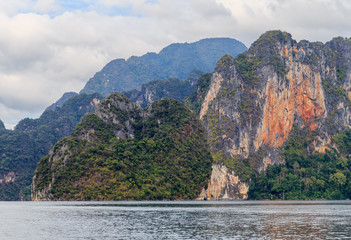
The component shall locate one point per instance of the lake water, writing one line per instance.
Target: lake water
(176, 220)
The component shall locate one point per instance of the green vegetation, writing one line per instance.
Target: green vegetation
(242, 167)
(264, 51)
(167, 159)
(267, 40)
(224, 61)
(18, 159)
(247, 68)
(307, 175)
(340, 74)
(21, 149)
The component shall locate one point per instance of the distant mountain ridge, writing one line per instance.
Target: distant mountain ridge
(175, 61)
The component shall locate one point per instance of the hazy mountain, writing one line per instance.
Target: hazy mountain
(175, 61)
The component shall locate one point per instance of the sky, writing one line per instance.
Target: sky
(49, 47)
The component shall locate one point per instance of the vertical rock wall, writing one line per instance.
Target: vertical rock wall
(257, 99)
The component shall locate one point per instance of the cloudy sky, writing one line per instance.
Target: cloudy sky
(48, 47)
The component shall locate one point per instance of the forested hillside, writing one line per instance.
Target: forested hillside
(124, 152)
(22, 148)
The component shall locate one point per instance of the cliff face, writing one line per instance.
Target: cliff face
(256, 100)
(125, 152)
(224, 185)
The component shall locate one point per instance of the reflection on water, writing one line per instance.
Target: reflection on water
(176, 220)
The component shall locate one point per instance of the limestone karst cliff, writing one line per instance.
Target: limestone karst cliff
(255, 101)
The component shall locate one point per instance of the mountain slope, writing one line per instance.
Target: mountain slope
(174, 61)
(124, 152)
(21, 149)
(255, 101)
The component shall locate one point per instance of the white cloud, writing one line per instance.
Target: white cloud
(45, 6)
(48, 47)
(314, 20)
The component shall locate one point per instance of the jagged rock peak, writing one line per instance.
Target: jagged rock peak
(109, 107)
(270, 37)
(117, 113)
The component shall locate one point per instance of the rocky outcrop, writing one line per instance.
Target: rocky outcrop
(117, 113)
(256, 100)
(224, 185)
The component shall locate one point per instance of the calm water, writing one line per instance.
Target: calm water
(176, 220)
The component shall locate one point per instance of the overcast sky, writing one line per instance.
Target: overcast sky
(48, 47)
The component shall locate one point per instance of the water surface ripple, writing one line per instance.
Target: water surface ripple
(176, 220)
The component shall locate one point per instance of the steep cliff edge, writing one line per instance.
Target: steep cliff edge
(256, 100)
(125, 152)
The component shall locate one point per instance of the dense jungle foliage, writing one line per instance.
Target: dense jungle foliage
(22, 148)
(167, 159)
(307, 175)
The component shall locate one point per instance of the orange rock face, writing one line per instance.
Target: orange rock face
(303, 97)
